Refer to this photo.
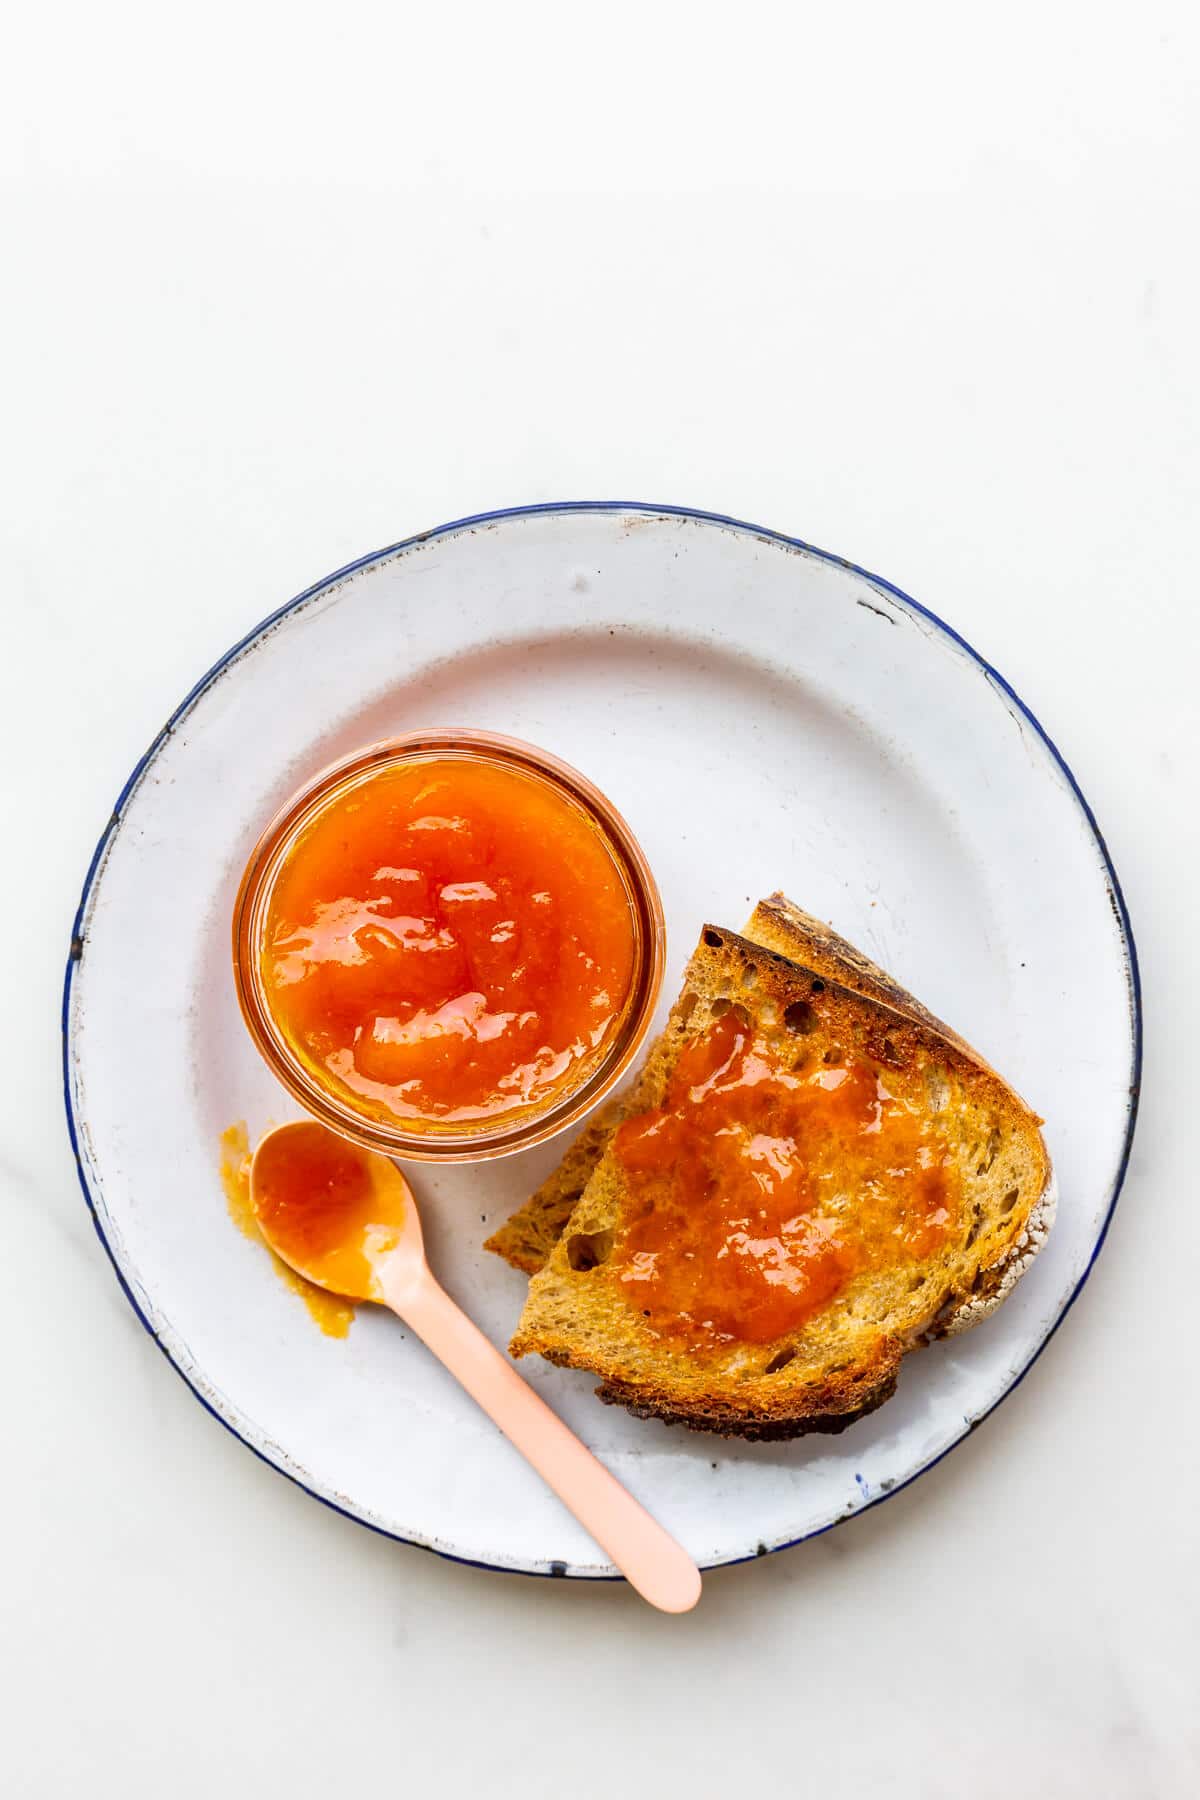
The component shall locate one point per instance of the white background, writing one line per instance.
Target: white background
(281, 285)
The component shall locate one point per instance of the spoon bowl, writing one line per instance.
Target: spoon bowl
(345, 1219)
(335, 1213)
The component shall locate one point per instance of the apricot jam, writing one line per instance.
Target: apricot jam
(319, 1203)
(759, 1188)
(448, 941)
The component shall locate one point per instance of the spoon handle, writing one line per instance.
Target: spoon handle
(651, 1561)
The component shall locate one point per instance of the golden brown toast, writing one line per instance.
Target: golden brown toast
(526, 1239)
(807, 1182)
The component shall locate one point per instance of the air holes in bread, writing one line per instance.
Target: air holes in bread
(818, 987)
(720, 1007)
(888, 1053)
(588, 1249)
(1010, 1200)
(712, 939)
(917, 1282)
(687, 1005)
(780, 1360)
(749, 975)
(989, 1153)
(800, 1017)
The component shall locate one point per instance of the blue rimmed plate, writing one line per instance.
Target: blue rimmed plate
(764, 715)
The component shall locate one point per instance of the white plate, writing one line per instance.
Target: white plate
(765, 716)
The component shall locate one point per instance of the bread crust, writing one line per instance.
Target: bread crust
(777, 923)
(750, 1430)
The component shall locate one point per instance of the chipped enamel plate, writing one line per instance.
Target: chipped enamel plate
(765, 716)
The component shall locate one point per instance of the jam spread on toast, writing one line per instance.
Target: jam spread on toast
(768, 1179)
(449, 940)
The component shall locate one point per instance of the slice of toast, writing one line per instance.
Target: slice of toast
(881, 1277)
(526, 1239)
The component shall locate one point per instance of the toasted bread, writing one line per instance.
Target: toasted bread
(841, 1359)
(528, 1235)
(526, 1239)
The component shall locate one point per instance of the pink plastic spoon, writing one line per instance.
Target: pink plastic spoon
(346, 1220)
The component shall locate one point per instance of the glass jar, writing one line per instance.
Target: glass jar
(433, 1139)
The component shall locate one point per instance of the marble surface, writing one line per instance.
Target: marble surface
(289, 284)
